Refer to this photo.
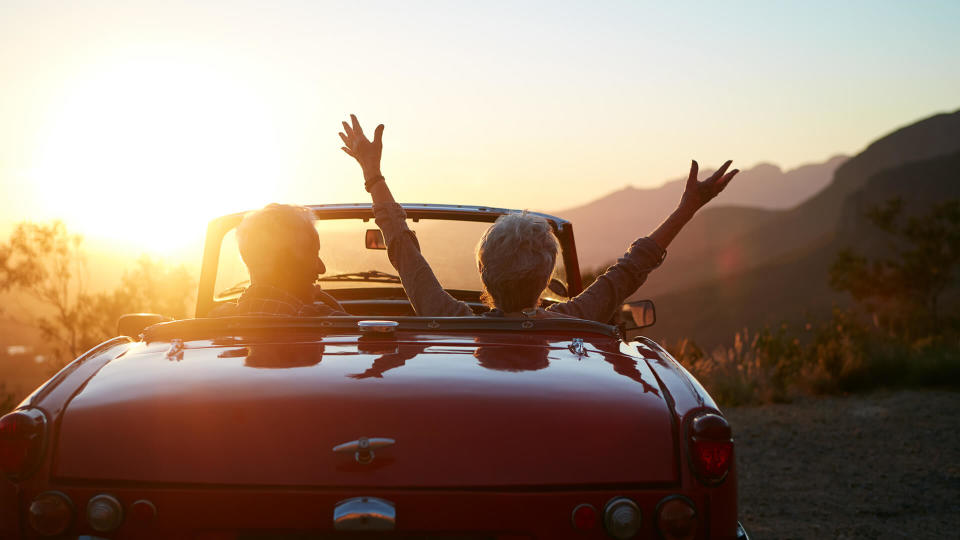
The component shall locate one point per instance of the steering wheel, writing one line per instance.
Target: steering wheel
(324, 297)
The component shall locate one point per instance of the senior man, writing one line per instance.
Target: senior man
(281, 249)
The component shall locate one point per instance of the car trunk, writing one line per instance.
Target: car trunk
(462, 414)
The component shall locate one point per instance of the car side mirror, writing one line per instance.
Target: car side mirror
(558, 287)
(132, 324)
(638, 314)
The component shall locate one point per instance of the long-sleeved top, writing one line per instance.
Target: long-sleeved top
(598, 302)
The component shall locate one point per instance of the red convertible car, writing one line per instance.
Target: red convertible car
(377, 425)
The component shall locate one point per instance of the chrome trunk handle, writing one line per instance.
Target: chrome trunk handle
(363, 447)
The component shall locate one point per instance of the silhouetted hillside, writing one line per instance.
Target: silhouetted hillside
(920, 185)
(796, 287)
(606, 226)
(789, 233)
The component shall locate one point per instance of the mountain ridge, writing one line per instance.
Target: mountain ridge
(613, 221)
(795, 287)
(805, 226)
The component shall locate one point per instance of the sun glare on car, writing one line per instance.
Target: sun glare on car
(146, 151)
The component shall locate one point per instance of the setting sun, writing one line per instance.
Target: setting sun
(149, 150)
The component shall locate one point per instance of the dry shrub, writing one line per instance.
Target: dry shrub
(843, 354)
(835, 354)
(758, 368)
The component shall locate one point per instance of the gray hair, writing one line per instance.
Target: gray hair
(516, 257)
(275, 234)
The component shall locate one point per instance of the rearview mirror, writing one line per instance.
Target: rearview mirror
(374, 239)
(638, 314)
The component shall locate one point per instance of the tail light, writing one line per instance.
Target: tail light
(676, 518)
(584, 517)
(21, 441)
(51, 513)
(142, 513)
(621, 518)
(711, 447)
(105, 513)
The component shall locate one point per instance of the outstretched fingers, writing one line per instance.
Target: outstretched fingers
(356, 125)
(378, 134)
(726, 179)
(349, 143)
(699, 193)
(721, 171)
(692, 179)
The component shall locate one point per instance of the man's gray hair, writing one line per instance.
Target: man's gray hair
(274, 235)
(516, 256)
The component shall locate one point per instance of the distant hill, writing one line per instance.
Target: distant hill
(613, 221)
(704, 253)
(920, 184)
(795, 287)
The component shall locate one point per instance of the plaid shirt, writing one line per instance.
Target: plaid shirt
(267, 300)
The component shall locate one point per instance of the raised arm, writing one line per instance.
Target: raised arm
(695, 195)
(421, 285)
(602, 298)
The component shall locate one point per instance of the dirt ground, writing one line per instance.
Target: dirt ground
(883, 465)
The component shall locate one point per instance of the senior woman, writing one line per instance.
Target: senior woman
(517, 254)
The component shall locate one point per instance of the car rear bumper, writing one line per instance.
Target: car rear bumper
(219, 513)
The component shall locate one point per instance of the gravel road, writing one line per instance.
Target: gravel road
(883, 465)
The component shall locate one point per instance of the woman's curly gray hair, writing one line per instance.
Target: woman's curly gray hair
(516, 258)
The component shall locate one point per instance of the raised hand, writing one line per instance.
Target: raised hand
(366, 152)
(696, 194)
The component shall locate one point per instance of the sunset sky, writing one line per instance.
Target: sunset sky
(138, 122)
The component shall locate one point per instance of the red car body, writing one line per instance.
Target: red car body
(283, 427)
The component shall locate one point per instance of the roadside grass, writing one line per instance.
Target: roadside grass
(838, 356)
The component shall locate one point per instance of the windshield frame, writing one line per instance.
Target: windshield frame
(218, 228)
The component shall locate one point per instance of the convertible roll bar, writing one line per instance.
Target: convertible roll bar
(218, 228)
